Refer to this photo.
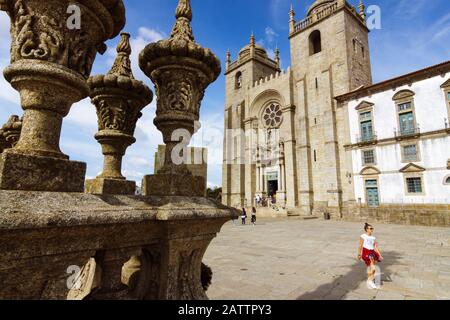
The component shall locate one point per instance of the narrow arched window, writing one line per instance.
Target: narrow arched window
(315, 42)
(238, 81)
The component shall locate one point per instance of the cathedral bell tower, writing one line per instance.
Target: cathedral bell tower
(329, 57)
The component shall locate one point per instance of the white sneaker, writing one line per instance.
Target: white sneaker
(371, 285)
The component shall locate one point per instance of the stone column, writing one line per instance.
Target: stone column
(304, 167)
(264, 176)
(111, 264)
(281, 194)
(258, 179)
(248, 163)
(181, 70)
(119, 99)
(49, 67)
(290, 156)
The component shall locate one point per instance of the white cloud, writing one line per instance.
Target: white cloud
(271, 35)
(138, 43)
(83, 114)
(269, 42)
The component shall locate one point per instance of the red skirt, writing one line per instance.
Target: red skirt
(369, 255)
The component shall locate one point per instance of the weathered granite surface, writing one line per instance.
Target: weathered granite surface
(36, 173)
(110, 186)
(49, 67)
(43, 233)
(162, 184)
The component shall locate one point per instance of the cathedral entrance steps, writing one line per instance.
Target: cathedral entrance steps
(301, 215)
(272, 212)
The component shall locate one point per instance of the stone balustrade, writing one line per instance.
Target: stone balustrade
(59, 243)
(127, 247)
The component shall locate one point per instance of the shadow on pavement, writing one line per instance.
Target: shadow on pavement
(340, 287)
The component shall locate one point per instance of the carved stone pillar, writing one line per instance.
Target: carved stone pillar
(119, 99)
(181, 70)
(49, 67)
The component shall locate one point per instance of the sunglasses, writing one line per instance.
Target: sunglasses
(370, 228)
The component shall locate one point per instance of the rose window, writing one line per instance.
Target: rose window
(273, 116)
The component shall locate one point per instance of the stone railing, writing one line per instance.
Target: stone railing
(80, 246)
(57, 242)
(321, 14)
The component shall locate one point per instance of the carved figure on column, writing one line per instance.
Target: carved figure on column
(181, 70)
(119, 100)
(3, 143)
(49, 67)
(10, 133)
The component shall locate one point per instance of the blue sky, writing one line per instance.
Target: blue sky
(414, 34)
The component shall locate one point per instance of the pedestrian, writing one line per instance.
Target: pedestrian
(369, 252)
(244, 216)
(254, 216)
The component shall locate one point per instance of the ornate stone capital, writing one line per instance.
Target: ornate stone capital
(50, 63)
(40, 32)
(119, 100)
(181, 70)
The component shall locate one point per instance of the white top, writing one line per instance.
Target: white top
(369, 242)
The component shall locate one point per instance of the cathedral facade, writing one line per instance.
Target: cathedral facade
(290, 134)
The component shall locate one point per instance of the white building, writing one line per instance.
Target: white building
(400, 142)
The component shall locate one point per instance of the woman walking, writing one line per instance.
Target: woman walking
(369, 252)
(244, 216)
(254, 216)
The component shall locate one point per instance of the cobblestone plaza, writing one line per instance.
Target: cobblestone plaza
(316, 259)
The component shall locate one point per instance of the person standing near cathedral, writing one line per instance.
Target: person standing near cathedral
(254, 216)
(369, 252)
(244, 216)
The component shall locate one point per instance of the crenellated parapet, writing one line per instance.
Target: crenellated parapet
(268, 80)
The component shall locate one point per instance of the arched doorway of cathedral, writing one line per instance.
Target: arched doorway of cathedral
(272, 184)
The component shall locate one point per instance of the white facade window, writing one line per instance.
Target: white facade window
(414, 185)
(368, 157)
(372, 192)
(405, 107)
(410, 153)
(404, 101)
(366, 126)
